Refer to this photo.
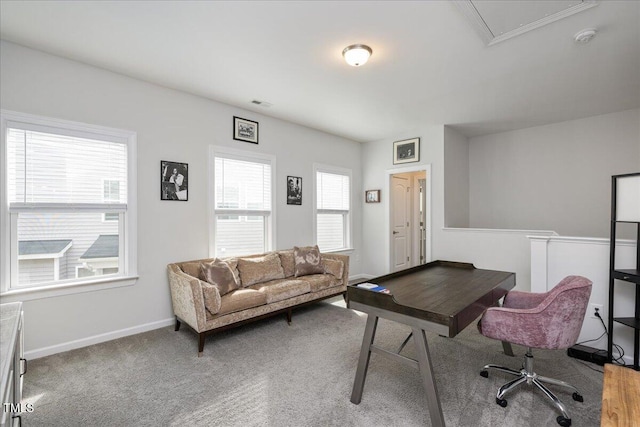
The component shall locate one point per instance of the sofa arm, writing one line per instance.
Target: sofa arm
(345, 261)
(187, 298)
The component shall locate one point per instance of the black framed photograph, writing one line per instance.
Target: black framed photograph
(245, 130)
(294, 190)
(406, 151)
(174, 181)
(372, 196)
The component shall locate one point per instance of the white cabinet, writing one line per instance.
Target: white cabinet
(12, 363)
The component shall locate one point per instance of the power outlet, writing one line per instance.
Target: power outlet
(593, 308)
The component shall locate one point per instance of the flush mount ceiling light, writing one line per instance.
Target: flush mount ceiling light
(357, 54)
(585, 36)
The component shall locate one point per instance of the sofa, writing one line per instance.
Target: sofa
(215, 294)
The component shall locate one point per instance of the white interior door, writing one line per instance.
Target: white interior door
(400, 214)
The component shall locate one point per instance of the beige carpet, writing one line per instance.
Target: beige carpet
(272, 374)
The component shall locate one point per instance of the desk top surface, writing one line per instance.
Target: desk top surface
(443, 292)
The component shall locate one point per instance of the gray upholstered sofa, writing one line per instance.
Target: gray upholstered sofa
(262, 285)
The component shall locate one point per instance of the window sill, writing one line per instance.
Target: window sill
(40, 292)
(346, 251)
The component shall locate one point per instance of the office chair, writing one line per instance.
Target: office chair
(550, 320)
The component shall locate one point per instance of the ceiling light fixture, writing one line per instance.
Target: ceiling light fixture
(357, 54)
(585, 36)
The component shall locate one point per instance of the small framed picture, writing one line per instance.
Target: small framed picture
(294, 190)
(372, 196)
(245, 130)
(406, 151)
(174, 181)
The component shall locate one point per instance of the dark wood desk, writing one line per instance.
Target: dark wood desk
(442, 297)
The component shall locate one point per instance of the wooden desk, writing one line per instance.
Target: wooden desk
(620, 397)
(442, 297)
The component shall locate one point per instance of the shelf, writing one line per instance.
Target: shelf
(629, 321)
(627, 275)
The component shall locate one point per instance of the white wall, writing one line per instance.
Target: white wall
(172, 126)
(456, 178)
(555, 177)
(553, 258)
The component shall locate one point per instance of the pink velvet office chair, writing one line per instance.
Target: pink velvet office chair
(550, 320)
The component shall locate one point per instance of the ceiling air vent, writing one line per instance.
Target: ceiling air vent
(262, 103)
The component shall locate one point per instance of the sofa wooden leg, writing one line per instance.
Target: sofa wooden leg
(177, 324)
(289, 316)
(201, 336)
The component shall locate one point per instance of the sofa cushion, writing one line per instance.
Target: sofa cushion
(288, 263)
(281, 289)
(335, 267)
(192, 268)
(260, 269)
(233, 265)
(318, 282)
(219, 274)
(211, 297)
(307, 260)
(241, 299)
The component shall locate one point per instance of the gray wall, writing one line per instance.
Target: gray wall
(456, 179)
(554, 177)
(170, 125)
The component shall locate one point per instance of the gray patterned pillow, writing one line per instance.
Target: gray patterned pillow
(307, 260)
(219, 274)
(334, 267)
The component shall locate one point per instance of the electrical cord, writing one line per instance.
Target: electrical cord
(617, 360)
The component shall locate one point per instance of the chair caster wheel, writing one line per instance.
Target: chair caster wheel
(484, 373)
(503, 403)
(564, 422)
(577, 397)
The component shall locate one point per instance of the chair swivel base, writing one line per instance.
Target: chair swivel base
(526, 374)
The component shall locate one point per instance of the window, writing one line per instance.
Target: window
(242, 203)
(68, 216)
(333, 193)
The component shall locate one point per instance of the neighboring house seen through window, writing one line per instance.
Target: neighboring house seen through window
(332, 209)
(68, 204)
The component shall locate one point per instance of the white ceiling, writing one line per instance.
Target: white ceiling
(429, 65)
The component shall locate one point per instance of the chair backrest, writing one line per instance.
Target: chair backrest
(562, 312)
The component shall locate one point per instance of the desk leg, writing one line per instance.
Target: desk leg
(428, 380)
(363, 361)
(506, 347)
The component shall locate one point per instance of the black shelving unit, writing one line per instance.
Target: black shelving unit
(626, 276)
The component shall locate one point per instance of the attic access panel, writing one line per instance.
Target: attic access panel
(499, 20)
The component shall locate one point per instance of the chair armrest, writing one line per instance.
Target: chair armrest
(518, 299)
(187, 298)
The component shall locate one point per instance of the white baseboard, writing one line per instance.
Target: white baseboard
(96, 339)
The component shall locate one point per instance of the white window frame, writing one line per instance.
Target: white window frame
(8, 220)
(348, 228)
(270, 216)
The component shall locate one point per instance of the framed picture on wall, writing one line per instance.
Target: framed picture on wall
(372, 196)
(406, 151)
(245, 130)
(174, 181)
(294, 190)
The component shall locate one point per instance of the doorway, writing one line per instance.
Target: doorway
(409, 217)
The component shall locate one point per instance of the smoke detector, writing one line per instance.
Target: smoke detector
(585, 36)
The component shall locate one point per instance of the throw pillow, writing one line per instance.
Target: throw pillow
(288, 264)
(335, 267)
(219, 274)
(211, 296)
(307, 260)
(260, 269)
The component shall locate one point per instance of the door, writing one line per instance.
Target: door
(400, 214)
